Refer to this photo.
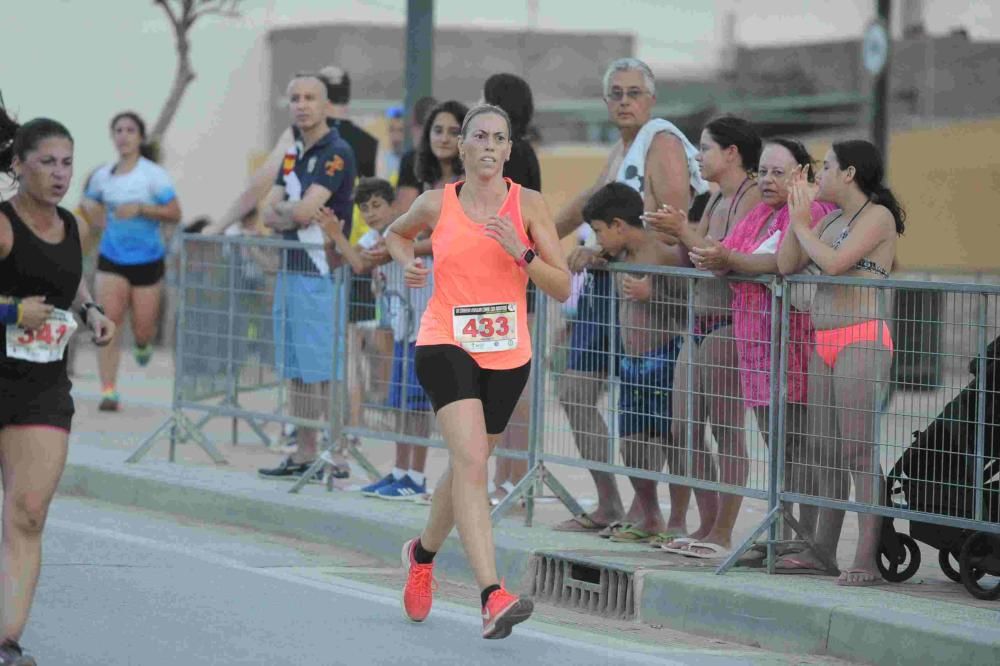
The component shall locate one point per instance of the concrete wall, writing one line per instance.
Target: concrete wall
(557, 65)
(943, 77)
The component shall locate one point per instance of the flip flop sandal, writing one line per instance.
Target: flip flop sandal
(663, 538)
(789, 565)
(875, 579)
(581, 523)
(612, 528)
(632, 534)
(716, 552)
(678, 546)
(753, 557)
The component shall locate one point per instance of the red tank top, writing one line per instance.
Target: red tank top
(479, 301)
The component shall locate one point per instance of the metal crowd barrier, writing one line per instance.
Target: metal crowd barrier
(662, 398)
(243, 303)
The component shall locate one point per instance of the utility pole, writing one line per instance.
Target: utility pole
(419, 54)
(880, 87)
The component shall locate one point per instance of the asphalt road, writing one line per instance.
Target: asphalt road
(121, 587)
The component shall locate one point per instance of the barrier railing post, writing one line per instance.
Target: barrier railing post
(349, 447)
(231, 374)
(525, 487)
(689, 427)
(537, 388)
(177, 421)
(775, 435)
(980, 460)
(182, 281)
(611, 316)
(776, 417)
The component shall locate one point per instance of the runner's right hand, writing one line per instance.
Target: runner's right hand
(34, 312)
(415, 274)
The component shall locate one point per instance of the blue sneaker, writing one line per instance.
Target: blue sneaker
(143, 354)
(404, 489)
(372, 488)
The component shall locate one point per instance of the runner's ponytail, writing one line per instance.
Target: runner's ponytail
(8, 130)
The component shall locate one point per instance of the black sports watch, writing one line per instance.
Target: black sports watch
(526, 258)
(85, 308)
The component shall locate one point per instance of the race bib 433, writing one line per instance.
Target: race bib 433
(44, 345)
(485, 328)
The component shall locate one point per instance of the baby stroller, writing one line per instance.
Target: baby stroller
(936, 474)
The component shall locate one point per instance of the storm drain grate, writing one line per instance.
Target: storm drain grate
(587, 588)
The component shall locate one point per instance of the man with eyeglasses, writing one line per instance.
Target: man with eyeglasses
(655, 159)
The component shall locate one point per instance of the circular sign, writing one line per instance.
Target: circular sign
(875, 48)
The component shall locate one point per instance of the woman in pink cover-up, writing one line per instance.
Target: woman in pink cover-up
(751, 249)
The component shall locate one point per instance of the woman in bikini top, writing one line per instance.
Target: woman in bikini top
(849, 370)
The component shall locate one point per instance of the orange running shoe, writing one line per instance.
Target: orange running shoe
(418, 593)
(502, 611)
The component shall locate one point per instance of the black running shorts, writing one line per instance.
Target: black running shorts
(31, 404)
(138, 275)
(448, 373)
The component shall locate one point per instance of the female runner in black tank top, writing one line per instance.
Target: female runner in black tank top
(40, 270)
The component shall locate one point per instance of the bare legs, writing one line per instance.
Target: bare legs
(460, 497)
(578, 395)
(31, 461)
(718, 387)
(649, 455)
(514, 438)
(799, 474)
(112, 293)
(117, 296)
(844, 413)
(411, 456)
(308, 401)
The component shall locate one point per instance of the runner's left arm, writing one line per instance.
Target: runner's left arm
(101, 326)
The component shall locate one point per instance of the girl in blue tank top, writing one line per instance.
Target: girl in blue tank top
(129, 200)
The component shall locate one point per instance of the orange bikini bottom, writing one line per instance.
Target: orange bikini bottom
(829, 343)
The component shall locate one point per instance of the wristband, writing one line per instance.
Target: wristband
(85, 309)
(10, 313)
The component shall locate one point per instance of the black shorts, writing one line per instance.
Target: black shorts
(31, 404)
(138, 275)
(448, 373)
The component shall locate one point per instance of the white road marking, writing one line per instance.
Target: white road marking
(368, 592)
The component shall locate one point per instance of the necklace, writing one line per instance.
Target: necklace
(736, 202)
(847, 227)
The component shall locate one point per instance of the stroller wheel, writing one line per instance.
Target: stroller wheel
(977, 559)
(904, 565)
(944, 559)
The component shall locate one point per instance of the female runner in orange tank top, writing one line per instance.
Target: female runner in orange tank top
(489, 236)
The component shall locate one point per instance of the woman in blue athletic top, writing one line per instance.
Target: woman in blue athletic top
(129, 199)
